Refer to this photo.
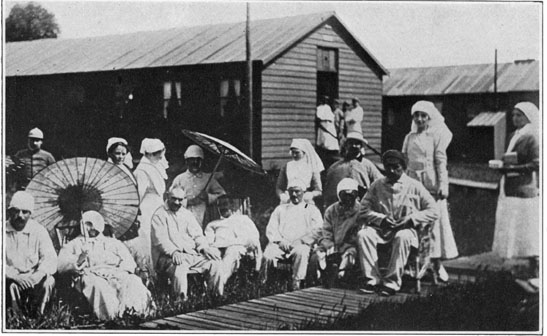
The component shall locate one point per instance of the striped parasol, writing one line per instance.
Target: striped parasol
(67, 188)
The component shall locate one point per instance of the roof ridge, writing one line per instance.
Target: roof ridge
(329, 13)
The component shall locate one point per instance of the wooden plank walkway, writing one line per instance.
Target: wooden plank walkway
(276, 311)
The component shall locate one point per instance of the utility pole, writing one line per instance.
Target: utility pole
(249, 78)
(496, 80)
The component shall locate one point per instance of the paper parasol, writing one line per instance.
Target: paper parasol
(67, 188)
(225, 151)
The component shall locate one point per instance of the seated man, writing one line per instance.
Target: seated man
(394, 207)
(178, 246)
(30, 260)
(339, 235)
(235, 235)
(292, 230)
(104, 270)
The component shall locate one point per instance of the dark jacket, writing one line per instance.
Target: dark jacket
(519, 181)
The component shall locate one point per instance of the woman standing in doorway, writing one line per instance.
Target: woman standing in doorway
(425, 147)
(517, 215)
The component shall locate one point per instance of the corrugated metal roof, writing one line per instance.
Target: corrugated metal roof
(221, 43)
(487, 119)
(475, 78)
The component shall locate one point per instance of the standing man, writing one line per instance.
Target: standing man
(327, 140)
(292, 230)
(353, 165)
(31, 260)
(201, 188)
(178, 245)
(354, 117)
(34, 158)
(395, 207)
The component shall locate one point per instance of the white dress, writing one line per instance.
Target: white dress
(426, 153)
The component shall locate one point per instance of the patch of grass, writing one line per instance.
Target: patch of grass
(473, 218)
(473, 171)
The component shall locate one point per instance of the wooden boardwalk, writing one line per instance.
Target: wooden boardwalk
(277, 311)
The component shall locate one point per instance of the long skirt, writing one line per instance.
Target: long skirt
(443, 244)
(517, 229)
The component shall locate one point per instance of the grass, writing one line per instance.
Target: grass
(473, 171)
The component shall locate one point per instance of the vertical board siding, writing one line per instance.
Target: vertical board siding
(289, 90)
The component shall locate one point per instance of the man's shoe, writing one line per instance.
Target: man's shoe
(386, 291)
(368, 289)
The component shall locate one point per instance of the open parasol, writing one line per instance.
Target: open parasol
(67, 188)
(225, 151)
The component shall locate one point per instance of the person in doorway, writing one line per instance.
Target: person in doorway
(30, 260)
(201, 188)
(353, 165)
(392, 210)
(305, 165)
(33, 158)
(293, 229)
(339, 121)
(517, 232)
(354, 117)
(327, 139)
(425, 147)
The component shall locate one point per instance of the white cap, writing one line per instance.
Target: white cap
(149, 145)
(94, 218)
(22, 200)
(193, 151)
(36, 133)
(297, 183)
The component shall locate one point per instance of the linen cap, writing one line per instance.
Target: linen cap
(113, 141)
(151, 145)
(193, 151)
(530, 111)
(36, 133)
(297, 183)
(22, 200)
(95, 218)
(347, 184)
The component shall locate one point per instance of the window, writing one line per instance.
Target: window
(172, 100)
(230, 96)
(327, 59)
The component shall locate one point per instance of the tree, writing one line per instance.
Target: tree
(30, 22)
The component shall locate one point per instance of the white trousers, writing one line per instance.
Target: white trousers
(368, 240)
(300, 255)
(179, 273)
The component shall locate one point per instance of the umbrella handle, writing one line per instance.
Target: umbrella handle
(213, 172)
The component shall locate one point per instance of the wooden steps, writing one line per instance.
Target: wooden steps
(277, 311)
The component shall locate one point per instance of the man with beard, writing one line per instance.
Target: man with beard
(199, 193)
(34, 158)
(30, 260)
(178, 246)
(394, 209)
(353, 165)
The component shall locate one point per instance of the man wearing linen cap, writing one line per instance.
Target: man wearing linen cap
(292, 230)
(30, 260)
(34, 158)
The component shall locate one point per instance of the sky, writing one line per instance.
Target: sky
(398, 34)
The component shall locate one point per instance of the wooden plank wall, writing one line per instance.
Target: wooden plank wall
(289, 94)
